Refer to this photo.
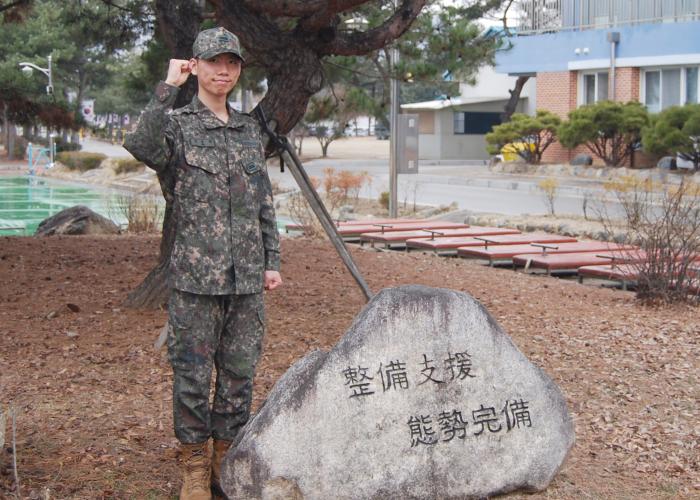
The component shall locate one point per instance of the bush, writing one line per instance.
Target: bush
(549, 187)
(384, 199)
(666, 225)
(128, 165)
(538, 132)
(675, 130)
(610, 130)
(61, 145)
(144, 213)
(83, 162)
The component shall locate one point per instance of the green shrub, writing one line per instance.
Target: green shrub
(675, 130)
(536, 133)
(128, 165)
(83, 162)
(610, 130)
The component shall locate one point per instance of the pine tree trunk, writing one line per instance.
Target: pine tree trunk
(512, 103)
(179, 22)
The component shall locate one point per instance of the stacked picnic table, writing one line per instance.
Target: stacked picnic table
(533, 252)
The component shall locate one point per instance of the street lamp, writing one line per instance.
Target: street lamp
(27, 67)
(394, 92)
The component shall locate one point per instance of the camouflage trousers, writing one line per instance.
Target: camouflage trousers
(207, 331)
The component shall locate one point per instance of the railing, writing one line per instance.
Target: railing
(537, 16)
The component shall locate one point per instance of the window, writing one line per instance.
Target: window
(595, 87)
(691, 85)
(670, 87)
(475, 122)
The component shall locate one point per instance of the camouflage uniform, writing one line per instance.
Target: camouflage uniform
(226, 238)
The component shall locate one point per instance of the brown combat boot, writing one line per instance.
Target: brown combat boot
(195, 462)
(220, 449)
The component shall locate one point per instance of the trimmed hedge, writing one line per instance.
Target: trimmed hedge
(128, 165)
(83, 162)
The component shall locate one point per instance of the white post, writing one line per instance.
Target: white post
(394, 129)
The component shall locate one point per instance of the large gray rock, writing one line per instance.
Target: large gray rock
(76, 220)
(582, 159)
(425, 397)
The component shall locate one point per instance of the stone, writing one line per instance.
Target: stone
(425, 397)
(76, 220)
(582, 159)
(667, 163)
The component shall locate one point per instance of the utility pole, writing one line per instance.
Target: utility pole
(394, 131)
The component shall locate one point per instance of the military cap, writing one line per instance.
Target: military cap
(215, 41)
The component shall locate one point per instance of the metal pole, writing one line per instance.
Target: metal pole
(49, 89)
(394, 130)
(295, 166)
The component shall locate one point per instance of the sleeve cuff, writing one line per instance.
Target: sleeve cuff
(272, 261)
(166, 93)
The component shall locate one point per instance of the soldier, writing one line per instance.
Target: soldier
(226, 250)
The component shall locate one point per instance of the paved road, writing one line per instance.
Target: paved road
(472, 186)
(111, 150)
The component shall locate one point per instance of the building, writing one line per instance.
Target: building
(454, 128)
(583, 51)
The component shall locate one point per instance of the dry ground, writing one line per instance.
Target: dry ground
(93, 396)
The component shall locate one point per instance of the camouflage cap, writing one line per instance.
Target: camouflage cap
(215, 41)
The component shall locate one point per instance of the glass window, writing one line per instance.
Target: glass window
(602, 87)
(595, 87)
(459, 122)
(652, 86)
(588, 89)
(670, 87)
(691, 84)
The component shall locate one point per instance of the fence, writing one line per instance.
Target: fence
(536, 16)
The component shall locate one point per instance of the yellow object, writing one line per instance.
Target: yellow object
(511, 151)
(195, 461)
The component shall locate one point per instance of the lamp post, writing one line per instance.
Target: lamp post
(28, 67)
(394, 132)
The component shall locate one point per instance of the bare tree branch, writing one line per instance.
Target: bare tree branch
(325, 16)
(299, 8)
(16, 3)
(358, 43)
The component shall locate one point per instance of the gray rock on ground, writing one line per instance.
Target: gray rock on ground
(425, 397)
(76, 220)
(582, 159)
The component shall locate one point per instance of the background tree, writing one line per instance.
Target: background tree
(610, 130)
(538, 132)
(288, 40)
(675, 130)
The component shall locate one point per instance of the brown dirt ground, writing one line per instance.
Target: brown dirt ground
(93, 396)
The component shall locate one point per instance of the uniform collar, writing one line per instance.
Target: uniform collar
(210, 120)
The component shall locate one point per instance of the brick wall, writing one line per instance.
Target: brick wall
(557, 92)
(626, 84)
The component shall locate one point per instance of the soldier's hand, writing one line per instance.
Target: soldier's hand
(178, 71)
(272, 280)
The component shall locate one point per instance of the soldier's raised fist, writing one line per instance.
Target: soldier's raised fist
(178, 71)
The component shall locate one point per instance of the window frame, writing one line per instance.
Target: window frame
(683, 84)
(581, 94)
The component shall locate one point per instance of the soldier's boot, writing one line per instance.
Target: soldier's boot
(220, 449)
(195, 462)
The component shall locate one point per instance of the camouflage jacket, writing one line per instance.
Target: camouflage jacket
(226, 234)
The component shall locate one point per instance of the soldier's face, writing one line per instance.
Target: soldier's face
(218, 75)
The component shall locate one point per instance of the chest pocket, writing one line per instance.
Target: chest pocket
(251, 156)
(198, 176)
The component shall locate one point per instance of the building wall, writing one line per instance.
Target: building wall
(446, 145)
(558, 92)
(627, 84)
